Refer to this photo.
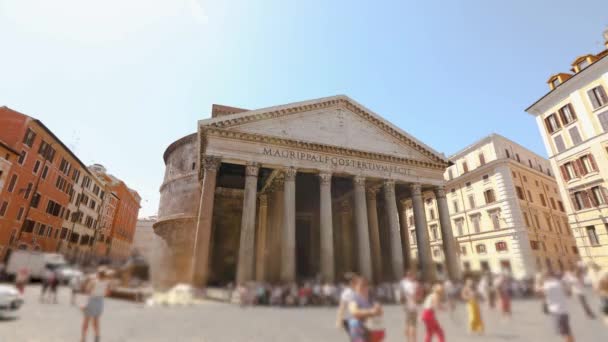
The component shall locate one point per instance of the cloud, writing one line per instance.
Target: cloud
(91, 21)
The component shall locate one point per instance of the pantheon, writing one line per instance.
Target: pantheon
(298, 191)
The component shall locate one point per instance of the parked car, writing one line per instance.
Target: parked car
(66, 273)
(10, 300)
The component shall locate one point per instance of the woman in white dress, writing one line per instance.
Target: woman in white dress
(96, 288)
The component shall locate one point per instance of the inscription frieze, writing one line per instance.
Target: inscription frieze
(334, 160)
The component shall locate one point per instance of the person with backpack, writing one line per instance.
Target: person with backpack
(412, 295)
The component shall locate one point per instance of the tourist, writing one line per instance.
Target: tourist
(575, 283)
(47, 277)
(75, 287)
(451, 294)
(412, 293)
(346, 296)
(502, 286)
(53, 283)
(329, 293)
(21, 279)
(469, 295)
(432, 303)
(599, 281)
(555, 296)
(486, 288)
(97, 287)
(364, 324)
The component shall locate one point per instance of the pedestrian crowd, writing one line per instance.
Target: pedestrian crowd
(360, 311)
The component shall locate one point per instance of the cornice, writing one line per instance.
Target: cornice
(253, 137)
(334, 102)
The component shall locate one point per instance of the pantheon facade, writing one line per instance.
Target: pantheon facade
(298, 191)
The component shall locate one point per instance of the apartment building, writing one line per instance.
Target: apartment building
(573, 122)
(506, 211)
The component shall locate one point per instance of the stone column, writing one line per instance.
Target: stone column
(202, 239)
(246, 261)
(363, 248)
(346, 237)
(288, 248)
(374, 234)
(405, 238)
(261, 258)
(425, 259)
(390, 203)
(327, 230)
(447, 235)
(276, 230)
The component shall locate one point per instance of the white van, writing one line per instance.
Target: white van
(34, 261)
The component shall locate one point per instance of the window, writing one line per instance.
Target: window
(530, 163)
(537, 221)
(598, 97)
(587, 164)
(507, 153)
(53, 208)
(566, 113)
(592, 235)
(520, 193)
(574, 250)
(35, 200)
(20, 214)
(495, 216)
(534, 244)
(22, 156)
(413, 237)
(549, 222)
(553, 203)
(46, 151)
(465, 167)
(552, 123)
(527, 219)
(455, 204)
(555, 82)
(485, 178)
(28, 190)
(501, 246)
(559, 143)
(36, 167)
(459, 225)
(96, 190)
(76, 175)
(432, 214)
(12, 183)
(580, 200)
(598, 195)
(575, 135)
(517, 157)
(481, 249)
(489, 196)
(29, 137)
(603, 117)
(463, 250)
(434, 232)
(3, 208)
(45, 172)
(569, 171)
(468, 185)
(476, 223)
(482, 159)
(525, 179)
(472, 201)
(582, 64)
(542, 200)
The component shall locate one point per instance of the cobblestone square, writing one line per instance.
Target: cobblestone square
(219, 322)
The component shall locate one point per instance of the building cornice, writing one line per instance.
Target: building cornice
(177, 143)
(324, 103)
(259, 138)
(488, 167)
(574, 83)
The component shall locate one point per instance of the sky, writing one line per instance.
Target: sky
(119, 80)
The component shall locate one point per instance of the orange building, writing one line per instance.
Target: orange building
(39, 185)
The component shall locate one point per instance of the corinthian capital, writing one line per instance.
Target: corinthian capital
(290, 174)
(389, 186)
(211, 163)
(252, 169)
(325, 178)
(359, 181)
(440, 192)
(416, 189)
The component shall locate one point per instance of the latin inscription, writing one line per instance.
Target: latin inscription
(335, 161)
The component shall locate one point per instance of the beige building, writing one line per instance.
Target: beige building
(505, 209)
(573, 121)
(298, 190)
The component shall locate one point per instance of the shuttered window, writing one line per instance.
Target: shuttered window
(592, 235)
(566, 113)
(575, 135)
(552, 123)
(559, 143)
(598, 97)
(603, 117)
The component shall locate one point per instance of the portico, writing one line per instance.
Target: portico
(311, 188)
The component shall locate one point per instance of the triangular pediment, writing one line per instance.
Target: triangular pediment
(336, 121)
